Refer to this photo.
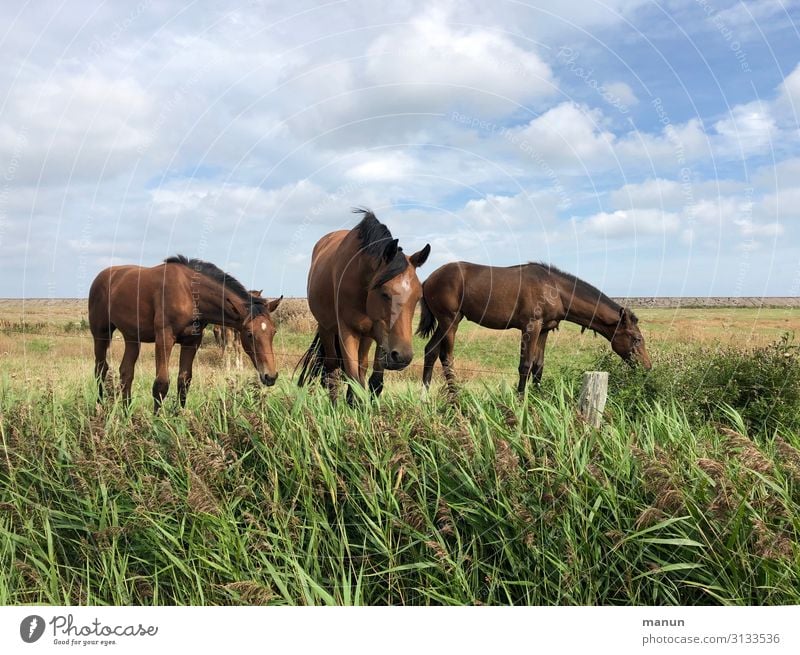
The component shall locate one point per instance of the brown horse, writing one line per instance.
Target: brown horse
(362, 288)
(532, 298)
(172, 303)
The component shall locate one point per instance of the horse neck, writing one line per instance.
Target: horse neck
(594, 312)
(217, 306)
(366, 266)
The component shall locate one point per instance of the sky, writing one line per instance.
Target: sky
(650, 148)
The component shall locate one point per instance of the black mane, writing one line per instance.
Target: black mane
(229, 283)
(583, 287)
(375, 236)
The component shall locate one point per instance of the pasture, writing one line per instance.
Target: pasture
(688, 494)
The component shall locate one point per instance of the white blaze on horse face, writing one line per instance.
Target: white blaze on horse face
(399, 299)
(263, 326)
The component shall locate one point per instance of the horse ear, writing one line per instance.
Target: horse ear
(419, 258)
(624, 317)
(391, 250)
(273, 305)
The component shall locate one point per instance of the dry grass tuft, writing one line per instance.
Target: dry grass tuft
(200, 498)
(789, 457)
(660, 481)
(250, 592)
(770, 544)
(745, 451)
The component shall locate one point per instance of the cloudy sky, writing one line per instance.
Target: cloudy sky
(651, 148)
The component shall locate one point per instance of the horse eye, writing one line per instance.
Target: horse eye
(385, 295)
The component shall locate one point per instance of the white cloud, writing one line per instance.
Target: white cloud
(788, 101)
(439, 65)
(78, 125)
(131, 131)
(749, 229)
(622, 92)
(750, 19)
(382, 167)
(659, 193)
(748, 129)
(520, 211)
(629, 224)
(570, 135)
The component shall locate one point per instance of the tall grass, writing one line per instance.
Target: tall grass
(274, 497)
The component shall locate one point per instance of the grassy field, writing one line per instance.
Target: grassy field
(689, 493)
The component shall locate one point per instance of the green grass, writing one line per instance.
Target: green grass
(276, 496)
(689, 494)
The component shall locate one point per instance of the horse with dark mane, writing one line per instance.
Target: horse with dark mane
(533, 298)
(362, 288)
(171, 304)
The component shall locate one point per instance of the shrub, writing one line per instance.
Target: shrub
(761, 383)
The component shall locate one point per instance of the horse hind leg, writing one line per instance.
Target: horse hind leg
(101, 345)
(529, 345)
(331, 362)
(446, 348)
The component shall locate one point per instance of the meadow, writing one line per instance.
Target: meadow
(688, 494)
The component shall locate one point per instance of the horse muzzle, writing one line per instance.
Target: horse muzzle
(396, 361)
(267, 379)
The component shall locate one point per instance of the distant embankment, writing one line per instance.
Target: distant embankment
(295, 305)
(715, 301)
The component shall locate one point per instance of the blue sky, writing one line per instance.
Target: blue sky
(651, 148)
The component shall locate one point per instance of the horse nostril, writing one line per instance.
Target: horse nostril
(394, 356)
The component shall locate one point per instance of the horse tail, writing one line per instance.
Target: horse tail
(427, 323)
(311, 365)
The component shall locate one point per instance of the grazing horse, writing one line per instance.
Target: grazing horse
(532, 298)
(172, 303)
(362, 288)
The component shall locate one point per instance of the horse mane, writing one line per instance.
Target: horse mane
(228, 282)
(583, 287)
(375, 236)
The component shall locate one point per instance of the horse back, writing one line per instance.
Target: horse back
(493, 296)
(130, 298)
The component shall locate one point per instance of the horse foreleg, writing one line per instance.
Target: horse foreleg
(376, 379)
(164, 343)
(538, 361)
(349, 343)
(188, 353)
(126, 369)
(363, 359)
(528, 348)
(236, 343)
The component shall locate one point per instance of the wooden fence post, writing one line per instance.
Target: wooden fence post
(594, 394)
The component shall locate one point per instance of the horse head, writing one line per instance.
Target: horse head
(257, 333)
(628, 341)
(392, 298)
